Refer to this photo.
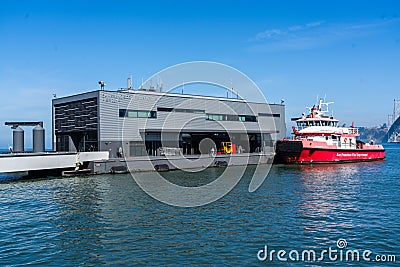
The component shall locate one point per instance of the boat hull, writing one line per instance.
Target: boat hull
(294, 151)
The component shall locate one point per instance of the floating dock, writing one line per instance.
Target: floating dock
(179, 162)
(48, 162)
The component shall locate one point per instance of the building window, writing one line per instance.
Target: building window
(232, 117)
(132, 114)
(181, 110)
(164, 109)
(275, 115)
(215, 117)
(143, 114)
(227, 117)
(248, 118)
(153, 114)
(198, 111)
(137, 113)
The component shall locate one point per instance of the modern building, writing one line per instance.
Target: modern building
(134, 123)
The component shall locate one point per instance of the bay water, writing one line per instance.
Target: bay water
(109, 220)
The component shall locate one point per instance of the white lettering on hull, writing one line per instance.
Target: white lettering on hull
(353, 155)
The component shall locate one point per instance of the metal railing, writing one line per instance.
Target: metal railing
(353, 130)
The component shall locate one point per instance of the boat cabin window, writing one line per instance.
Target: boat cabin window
(332, 123)
(301, 124)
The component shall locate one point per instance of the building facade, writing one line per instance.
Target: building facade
(135, 123)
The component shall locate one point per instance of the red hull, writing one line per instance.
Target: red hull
(291, 151)
(315, 155)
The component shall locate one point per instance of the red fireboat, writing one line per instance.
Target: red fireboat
(319, 139)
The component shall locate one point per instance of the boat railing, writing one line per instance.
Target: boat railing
(350, 130)
(299, 128)
(353, 130)
(347, 145)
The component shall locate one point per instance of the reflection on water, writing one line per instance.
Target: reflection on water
(109, 220)
(327, 192)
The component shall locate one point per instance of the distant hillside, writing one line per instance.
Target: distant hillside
(373, 133)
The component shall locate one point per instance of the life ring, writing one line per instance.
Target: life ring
(345, 140)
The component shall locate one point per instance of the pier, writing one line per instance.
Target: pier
(47, 162)
(39, 161)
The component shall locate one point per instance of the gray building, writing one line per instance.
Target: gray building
(135, 123)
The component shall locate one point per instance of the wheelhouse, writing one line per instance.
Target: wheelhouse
(304, 123)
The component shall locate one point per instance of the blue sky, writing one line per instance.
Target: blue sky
(296, 50)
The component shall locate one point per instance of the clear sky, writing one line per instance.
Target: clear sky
(295, 50)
